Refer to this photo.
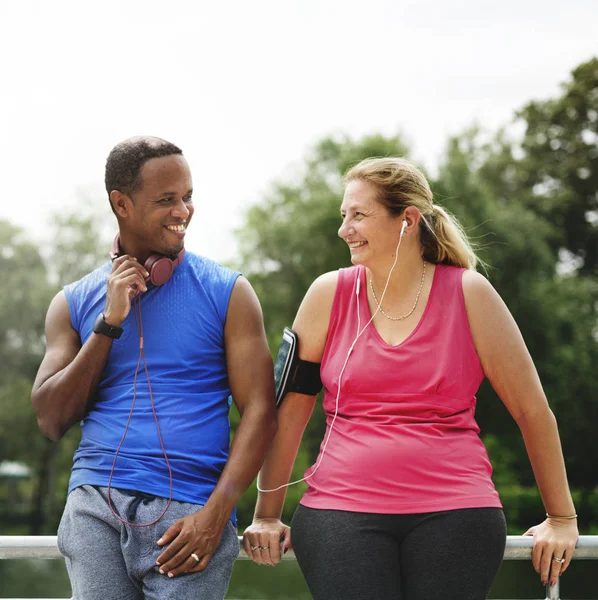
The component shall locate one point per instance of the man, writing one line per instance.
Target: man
(145, 352)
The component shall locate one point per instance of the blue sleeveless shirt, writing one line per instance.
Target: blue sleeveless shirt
(183, 330)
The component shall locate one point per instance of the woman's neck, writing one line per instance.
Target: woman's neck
(405, 279)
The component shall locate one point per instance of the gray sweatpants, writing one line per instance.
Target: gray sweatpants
(108, 560)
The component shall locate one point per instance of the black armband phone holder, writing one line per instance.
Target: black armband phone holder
(291, 374)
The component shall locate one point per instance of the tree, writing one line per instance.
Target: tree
(23, 297)
(25, 294)
(31, 277)
(560, 164)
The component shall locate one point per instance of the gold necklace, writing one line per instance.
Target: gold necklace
(421, 285)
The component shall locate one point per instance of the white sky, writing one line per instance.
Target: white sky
(245, 88)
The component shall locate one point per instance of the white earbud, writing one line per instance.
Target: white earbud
(403, 227)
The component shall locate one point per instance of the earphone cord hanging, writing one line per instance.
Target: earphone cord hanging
(139, 323)
(321, 456)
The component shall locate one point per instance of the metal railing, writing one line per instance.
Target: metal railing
(518, 548)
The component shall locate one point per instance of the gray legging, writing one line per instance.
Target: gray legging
(448, 555)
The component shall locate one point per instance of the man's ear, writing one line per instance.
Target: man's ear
(121, 203)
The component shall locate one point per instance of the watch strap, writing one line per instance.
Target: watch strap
(103, 328)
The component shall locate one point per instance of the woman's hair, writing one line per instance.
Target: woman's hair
(400, 184)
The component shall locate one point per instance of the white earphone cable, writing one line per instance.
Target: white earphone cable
(359, 333)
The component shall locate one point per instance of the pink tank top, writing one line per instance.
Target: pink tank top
(405, 439)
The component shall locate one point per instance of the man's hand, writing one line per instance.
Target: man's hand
(197, 534)
(126, 280)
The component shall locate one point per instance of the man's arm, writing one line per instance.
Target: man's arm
(251, 378)
(68, 376)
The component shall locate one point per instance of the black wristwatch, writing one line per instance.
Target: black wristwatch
(100, 326)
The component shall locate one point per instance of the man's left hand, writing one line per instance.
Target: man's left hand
(192, 541)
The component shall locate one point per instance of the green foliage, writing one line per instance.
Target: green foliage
(560, 163)
(19, 436)
(31, 276)
(23, 302)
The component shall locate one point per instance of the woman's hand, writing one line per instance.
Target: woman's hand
(554, 542)
(262, 540)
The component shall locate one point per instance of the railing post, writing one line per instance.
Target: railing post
(553, 593)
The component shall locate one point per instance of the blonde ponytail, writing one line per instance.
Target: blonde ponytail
(444, 240)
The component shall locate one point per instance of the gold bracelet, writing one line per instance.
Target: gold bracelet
(561, 517)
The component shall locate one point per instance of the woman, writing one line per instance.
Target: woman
(400, 503)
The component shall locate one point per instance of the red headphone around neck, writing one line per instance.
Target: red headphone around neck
(159, 267)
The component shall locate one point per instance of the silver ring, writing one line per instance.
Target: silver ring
(558, 560)
(259, 547)
(195, 556)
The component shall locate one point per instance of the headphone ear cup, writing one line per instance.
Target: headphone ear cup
(160, 269)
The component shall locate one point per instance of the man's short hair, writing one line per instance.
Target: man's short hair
(123, 165)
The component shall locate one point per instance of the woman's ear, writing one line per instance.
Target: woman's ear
(411, 217)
